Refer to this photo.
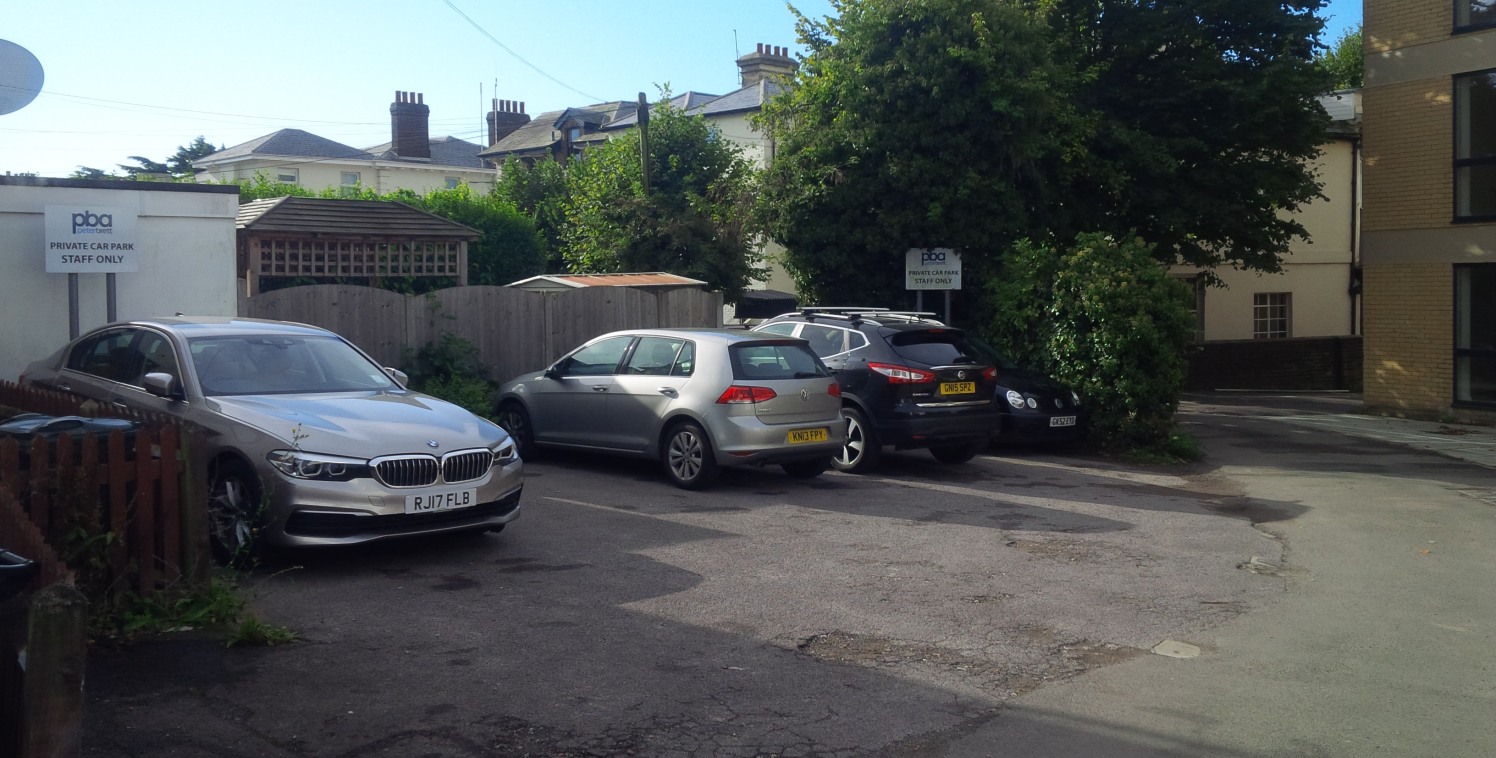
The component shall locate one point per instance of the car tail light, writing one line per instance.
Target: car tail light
(902, 374)
(990, 373)
(740, 394)
(833, 389)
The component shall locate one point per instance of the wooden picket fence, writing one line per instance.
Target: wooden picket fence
(144, 480)
(142, 492)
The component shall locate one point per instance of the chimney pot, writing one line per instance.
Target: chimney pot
(760, 48)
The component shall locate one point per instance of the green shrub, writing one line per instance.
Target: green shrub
(451, 370)
(1105, 318)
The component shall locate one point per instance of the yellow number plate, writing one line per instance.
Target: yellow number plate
(958, 388)
(798, 436)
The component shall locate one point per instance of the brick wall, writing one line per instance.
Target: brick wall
(1409, 326)
(1407, 147)
(1391, 24)
(1299, 363)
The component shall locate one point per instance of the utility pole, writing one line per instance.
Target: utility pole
(644, 140)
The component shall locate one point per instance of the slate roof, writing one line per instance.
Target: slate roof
(328, 217)
(290, 143)
(544, 131)
(750, 98)
(445, 151)
(684, 102)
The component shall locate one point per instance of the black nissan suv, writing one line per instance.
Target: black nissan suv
(907, 381)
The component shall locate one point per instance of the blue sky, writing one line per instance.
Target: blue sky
(142, 78)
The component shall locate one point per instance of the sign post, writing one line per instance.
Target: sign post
(937, 268)
(90, 240)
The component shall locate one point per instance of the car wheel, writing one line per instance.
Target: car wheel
(514, 419)
(688, 459)
(234, 514)
(956, 453)
(807, 469)
(861, 451)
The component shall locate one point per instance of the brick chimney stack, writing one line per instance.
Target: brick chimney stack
(506, 116)
(410, 133)
(767, 62)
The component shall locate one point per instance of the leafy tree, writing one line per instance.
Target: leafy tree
(1194, 123)
(694, 221)
(924, 124)
(180, 162)
(178, 165)
(143, 165)
(1343, 60)
(972, 123)
(89, 172)
(508, 248)
(540, 192)
(1102, 316)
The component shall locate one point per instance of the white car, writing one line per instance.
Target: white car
(310, 441)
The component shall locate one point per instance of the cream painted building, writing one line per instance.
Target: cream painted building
(1317, 292)
(411, 160)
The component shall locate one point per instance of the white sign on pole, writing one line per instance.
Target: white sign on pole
(91, 240)
(936, 268)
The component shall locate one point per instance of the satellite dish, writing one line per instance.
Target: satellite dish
(20, 77)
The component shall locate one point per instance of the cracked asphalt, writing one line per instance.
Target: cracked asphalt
(913, 612)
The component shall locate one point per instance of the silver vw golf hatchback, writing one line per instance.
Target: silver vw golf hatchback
(694, 399)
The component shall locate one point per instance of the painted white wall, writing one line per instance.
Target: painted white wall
(380, 176)
(186, 256)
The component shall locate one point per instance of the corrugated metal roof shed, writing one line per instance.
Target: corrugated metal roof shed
(573, 281)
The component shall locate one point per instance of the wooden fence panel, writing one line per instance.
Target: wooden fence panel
(372, 318)
(513, 330)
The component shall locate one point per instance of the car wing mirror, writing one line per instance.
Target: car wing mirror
(399, 376)
(553, 371)
(162, 384)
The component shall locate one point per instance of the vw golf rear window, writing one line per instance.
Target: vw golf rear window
(775, 360)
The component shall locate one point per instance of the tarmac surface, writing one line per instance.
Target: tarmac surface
(1320, 585)
(1384, 642)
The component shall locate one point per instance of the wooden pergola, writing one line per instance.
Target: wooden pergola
(295, 237)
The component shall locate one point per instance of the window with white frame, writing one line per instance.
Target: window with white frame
(1475, 145)
(1271, 314)
(287, 175)
(1474, 13)
(351, 179)
(1475, 333)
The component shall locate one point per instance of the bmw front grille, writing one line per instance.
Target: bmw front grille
(426, 470)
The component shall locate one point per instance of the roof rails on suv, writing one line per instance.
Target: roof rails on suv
(857, 314)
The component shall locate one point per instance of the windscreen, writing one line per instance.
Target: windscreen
(276, 364)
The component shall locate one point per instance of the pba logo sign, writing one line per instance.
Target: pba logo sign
(91, 239)
(88, 222)
(937, 268)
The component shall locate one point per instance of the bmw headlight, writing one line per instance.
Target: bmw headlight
(505, 453)
(327, 468)
(1015, 399)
